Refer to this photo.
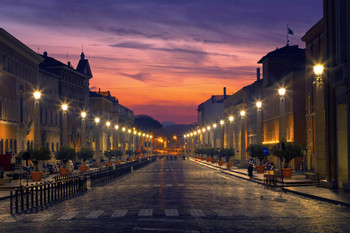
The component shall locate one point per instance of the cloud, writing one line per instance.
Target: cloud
(139, 76)
(132, 45)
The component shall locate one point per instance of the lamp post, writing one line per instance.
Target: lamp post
(320, 131)
(282, 120)
(214, 135)
(65, 142)
(230, 132)
(108, 141)
(97, 139)
(208, 134)
(124, 143)
(37, 137)
(116, 127)
(83, 129)
(243, 154)
(222, 133)
(259, 135)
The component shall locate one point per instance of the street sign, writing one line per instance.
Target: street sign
(266, 151)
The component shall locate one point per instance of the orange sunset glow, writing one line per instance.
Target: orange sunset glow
(158, 59)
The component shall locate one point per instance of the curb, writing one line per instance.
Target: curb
(310, 196)
(229, 173)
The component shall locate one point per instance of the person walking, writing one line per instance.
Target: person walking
(250, 170)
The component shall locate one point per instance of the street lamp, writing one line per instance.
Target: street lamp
(222, 122)
(242, 113)
(97, 120)
(282, 92)
(108, 123)
(123, 129)
(64, 107)
(116, 127)
(230, 118)
(83, 115)
(214, 125)
(37, 95)
(208, 128)
(318, 70)
(258, 104)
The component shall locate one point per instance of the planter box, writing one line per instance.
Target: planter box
(36, 176)
(260, 168)
(287, 172)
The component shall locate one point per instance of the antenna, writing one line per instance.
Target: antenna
(67, 56)
(82, 47)
(39, 50)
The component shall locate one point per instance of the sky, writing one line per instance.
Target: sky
(161, 57)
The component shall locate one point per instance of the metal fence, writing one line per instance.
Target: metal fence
(107, 175)
(33, 197)
(30, 198)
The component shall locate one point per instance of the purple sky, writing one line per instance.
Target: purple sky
(164, 57)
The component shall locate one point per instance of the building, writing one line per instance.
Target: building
(19, 72)
(284, 116)
(243, 125)
(209, 112)
(73, 90)
(315, 159)
(337, 91)
(111, 137)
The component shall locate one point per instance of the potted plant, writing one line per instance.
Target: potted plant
(109, 154)
(130, 153)
(85, 154)
(256, 151)
(36, 156)
(227, 153)
(118, 154)
(289, 151)
(65, 154)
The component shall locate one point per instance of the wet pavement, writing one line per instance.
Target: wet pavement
(181, 196)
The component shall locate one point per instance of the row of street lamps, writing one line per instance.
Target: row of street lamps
(64, 107)
(189, 136)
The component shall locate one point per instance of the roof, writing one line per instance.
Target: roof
(285, 51)
(317, 28)
(50, 62)
(18, 46)
(84, 66)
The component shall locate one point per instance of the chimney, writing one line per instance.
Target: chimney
(69, 64)
(224, 92)
(258, 74)
(99, 91)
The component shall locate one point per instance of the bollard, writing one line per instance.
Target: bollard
(132, 168)
(88, 184)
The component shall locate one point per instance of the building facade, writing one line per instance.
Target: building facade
(19, 72)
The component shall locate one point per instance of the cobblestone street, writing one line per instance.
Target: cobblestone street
(181, 196)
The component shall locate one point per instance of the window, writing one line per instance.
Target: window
(11, 148)
(1, 146)
(15, 146)
(0, 110)
(52, 146)
(6, 146)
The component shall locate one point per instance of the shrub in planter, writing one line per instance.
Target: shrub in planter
(37, 155)
(256, 151)
(85, 154)
(291, 151)
(65, 154)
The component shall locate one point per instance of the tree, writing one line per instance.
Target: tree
(291, 151)
(65, 154)
(85, 154)
(256, 151)
(38, 155)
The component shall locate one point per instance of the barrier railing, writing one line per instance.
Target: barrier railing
(30, 198)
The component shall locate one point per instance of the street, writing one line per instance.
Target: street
(181, 196)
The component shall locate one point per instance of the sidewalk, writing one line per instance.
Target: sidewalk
(334, 196)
